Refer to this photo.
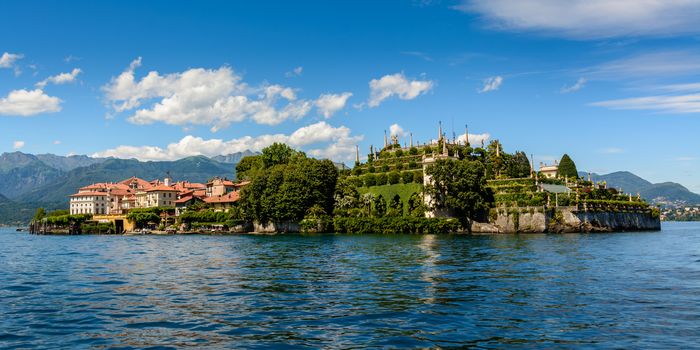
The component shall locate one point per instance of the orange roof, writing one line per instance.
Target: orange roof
(140, 183)
(227, 198)
(185, 199)
(200, 193)
(161, 188)
(85, 194)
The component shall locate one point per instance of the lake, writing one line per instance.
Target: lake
(623, 290)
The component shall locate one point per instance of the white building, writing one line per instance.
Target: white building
(89, 203)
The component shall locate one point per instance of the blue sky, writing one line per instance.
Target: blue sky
(613, 84)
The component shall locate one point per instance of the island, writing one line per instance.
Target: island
(441, 186)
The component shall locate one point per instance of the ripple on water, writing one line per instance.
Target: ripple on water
(351, 291)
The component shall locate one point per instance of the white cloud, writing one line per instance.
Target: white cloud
(338, 141)
(57, 142)
(491, 84)
(216, 97)
(663, 103)
(328, 104)
(475, 140)
(396, 85)
(18, 144)
(612, 150)
(71, 58)
(590, 19)
(26, 103)
(580, 83)
(661, 64)
(7, 60)
(63, 78)
(396, 130)
(296, 72)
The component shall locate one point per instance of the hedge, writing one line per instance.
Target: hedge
(395, 225)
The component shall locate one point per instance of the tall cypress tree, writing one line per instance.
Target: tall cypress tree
(567, 167)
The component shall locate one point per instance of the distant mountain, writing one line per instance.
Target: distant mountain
(666, 193)
(20, 172)
(68, 163)
(234, 158)
(194, 169)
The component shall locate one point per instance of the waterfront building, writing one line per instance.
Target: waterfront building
(89, 202)
(219, 187)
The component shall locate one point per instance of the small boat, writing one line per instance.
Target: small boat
(19, 229)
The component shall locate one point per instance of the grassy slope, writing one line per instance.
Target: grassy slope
(389, 191)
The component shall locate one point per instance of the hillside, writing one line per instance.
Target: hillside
(667, 193)
(21, 172)
(194, 169)
(234, 158)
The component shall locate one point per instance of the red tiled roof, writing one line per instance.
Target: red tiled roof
(161, 188)
(227, 198)
(85, 194)
(185, 199)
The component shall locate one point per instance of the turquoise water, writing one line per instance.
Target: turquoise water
(626, 290)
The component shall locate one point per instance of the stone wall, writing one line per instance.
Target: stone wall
(523, 220)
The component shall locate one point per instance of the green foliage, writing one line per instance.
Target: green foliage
(406, 177)
(395, 225)
(418, 177)
(379, 206)
(66, 220)
(277, 154)
(394, 177)
(369, 180)
(247, 166)
(59, 212)
(388, 191)
(459, 185)
(40, 214)
(413, 151)
(382, 179)
(100, 228)
(567, 167)
(285, 191)
(385, 168)
(518, 166)
(399, 153)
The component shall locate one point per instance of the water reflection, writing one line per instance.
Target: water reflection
(344, 291)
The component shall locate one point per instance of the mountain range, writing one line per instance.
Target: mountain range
(664, 193)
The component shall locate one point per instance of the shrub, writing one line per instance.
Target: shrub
(399, 152)
(412, 164)
(371, 169)
(382, 179)
(357, 171)
(407, 177)
(394, 178)
(369, 180)
(418, 177)
(413, 151)
(385, 168)
(394, 225)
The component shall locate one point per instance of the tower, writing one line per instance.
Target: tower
(439, 131)
(466, 135)
(357, 154)
(411, 139)
(386, 141)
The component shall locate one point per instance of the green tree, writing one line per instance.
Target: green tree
(288, 186)
(395, 206)
(277, 153)
(379, 206)
(567, 167)
(459, 185)
(407, 177)
(39, 214)
(518, 166)
(248, 166)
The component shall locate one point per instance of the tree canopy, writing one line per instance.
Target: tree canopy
(567, 167)
(288, 185)
(459, 185)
